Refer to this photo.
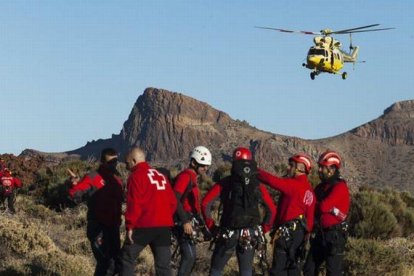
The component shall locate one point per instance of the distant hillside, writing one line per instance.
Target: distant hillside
(168, 125)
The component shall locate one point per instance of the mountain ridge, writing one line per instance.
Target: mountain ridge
(167, 125)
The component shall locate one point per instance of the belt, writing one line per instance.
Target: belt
(337, 227)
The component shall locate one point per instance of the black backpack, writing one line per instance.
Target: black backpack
(243, 195)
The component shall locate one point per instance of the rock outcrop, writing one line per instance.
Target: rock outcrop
(395, 127)
(168, 125)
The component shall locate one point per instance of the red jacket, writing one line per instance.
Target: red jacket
(220, 187)
(297, 197)
(189, 196)
(331, 196)
(103, 191)
(150, 199)
(9, 183)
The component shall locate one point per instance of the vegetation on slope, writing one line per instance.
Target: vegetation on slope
(47, 235)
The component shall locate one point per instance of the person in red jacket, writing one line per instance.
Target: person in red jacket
(2, 166)
(103, 192)
(188, 215)
(332, 207)
(8, 187)
(240, 195)
(151, 205)
(295, 216)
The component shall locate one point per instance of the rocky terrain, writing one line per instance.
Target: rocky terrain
(47, 235)
(168, 125)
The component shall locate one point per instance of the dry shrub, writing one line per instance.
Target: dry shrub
(14, 266)
(145, 262)
(58, 263)
(23, 238)
(403, 247)
(31, 209)
(407, 271)
(32, 242)
(75, 218)
(375, 257)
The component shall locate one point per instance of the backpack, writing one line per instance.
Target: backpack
(243, 195)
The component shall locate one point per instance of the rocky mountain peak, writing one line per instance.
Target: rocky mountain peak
(401, 110)
(161, 119)
(395, 126)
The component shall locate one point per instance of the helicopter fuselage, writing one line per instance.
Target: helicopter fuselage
(325, 59)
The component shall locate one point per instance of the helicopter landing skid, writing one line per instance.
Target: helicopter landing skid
(315, 73)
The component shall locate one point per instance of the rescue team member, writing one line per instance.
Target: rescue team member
(240, 195)
(151, 204)
(2, 166)
(103, 192)
(189, 219)
(295, 213)
(8, 186)
(332, 207)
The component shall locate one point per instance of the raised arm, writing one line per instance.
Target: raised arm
(270, 209)
(207, 202)
(285, 185)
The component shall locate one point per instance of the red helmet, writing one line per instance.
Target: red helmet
(304, 159)
(330, 158)
(241, 153)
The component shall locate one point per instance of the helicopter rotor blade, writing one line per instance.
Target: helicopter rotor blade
(364, 31)
(358, 28)
(289, 31)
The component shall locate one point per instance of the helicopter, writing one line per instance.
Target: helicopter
(326, 56)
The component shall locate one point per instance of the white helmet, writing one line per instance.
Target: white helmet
(201, 155)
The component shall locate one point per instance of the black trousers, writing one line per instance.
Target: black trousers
(159, 240)
(106, 246)
(11, 198)
(329, 247)
(285, 253)
(224, 249)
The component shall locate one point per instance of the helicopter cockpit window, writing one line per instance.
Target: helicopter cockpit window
(316, 52)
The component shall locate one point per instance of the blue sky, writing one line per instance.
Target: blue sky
(70, 71)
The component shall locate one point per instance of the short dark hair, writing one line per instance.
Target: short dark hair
(107, 152)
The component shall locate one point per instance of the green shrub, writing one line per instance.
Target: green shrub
(52, 183)
(408, 199)
(369, 217)
(381, 213)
